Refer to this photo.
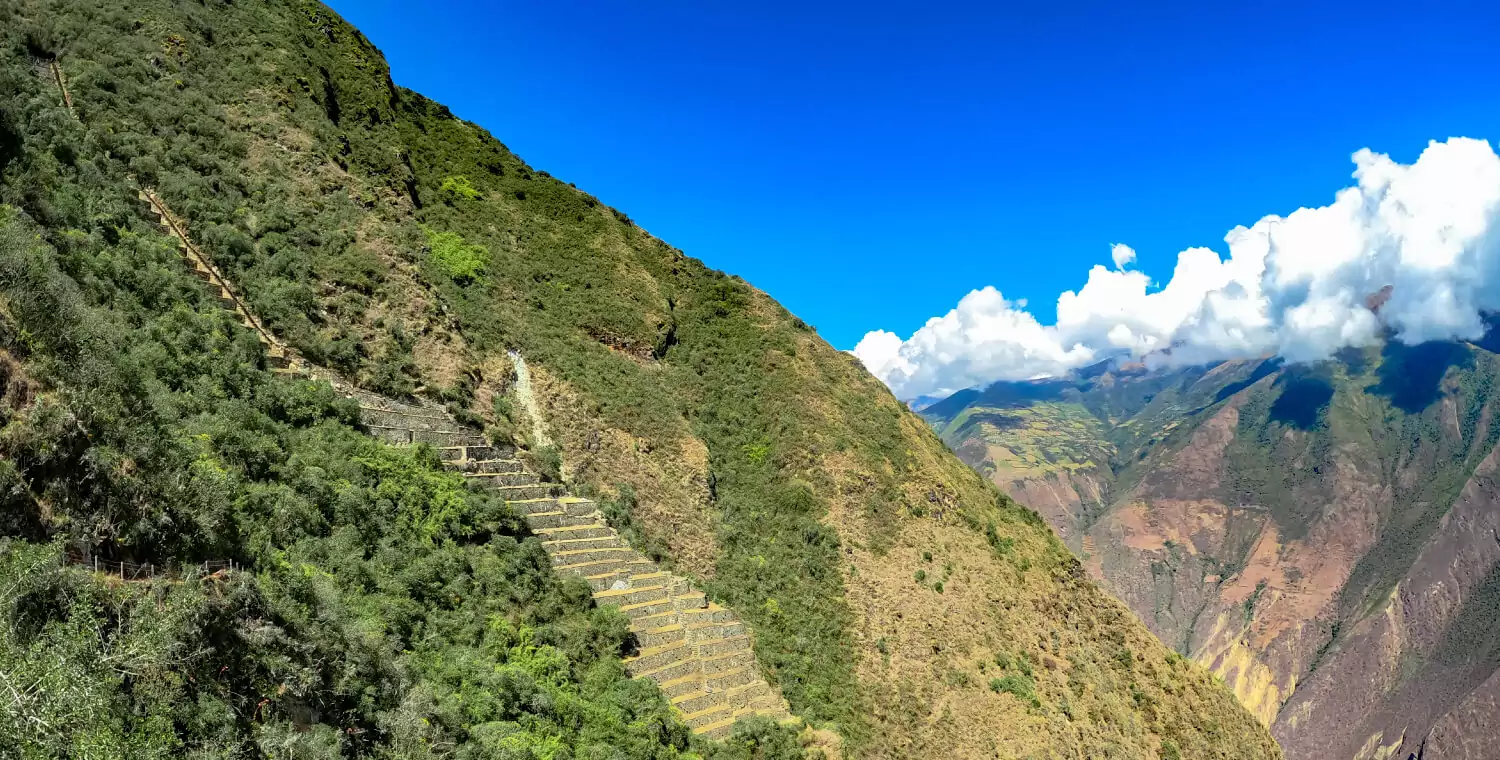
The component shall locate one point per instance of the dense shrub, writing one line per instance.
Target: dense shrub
(382, 608)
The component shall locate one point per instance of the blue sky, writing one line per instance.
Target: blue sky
(869, 164)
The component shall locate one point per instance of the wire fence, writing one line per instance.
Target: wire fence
(142, 571)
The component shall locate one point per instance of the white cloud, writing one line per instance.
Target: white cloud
(1296, 286)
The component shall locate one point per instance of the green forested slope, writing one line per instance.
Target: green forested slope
(384, 609)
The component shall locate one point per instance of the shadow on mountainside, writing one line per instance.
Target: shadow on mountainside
(1305, 393)
(1411, 377)
(1261, 370)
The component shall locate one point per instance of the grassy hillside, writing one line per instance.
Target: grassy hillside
(383, 609)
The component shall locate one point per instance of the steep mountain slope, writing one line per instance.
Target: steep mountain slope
(892, 596)
(1319, 535)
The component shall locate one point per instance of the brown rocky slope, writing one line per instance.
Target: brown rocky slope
(1322, 537)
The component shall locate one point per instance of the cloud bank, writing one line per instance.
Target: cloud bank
(1297, 285)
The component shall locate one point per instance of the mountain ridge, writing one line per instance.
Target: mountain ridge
(1279, 523)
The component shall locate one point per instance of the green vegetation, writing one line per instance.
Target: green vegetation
(1019, 685)
(619, 512)
(161, 439)
(463, 262)
(459, 187)
(384, 609)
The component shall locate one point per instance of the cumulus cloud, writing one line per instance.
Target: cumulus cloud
(1296, 286)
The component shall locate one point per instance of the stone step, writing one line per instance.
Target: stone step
(660, 636)
(448, 438)
(669, 672)
(737, 697)
(690, 600)
(717, 731)
(723, 727)
(709, 716)
(398, 436)
(565, 504)
(539, 521)
(443, 439)
(564, 545)
(502, 478)
(678, 603)
(652, 608)
(575, 556)
(604, 581)
(719, 664)
(384, 418)
(584, 529)
(476, 451)
(760, 697)
(676, 687)
(727, 645)
(711, 631)
(656, 658)
(538, 506)
(729, 679)
(489, 465)
(623, 562)
(659, 620)
(713, 613)
(380, 405)
(520, 493)
(413, 406)
(656, 578)
(629, 596)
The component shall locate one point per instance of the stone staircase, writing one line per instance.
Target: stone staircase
(55, 73)
(278, 356)
(698, 652)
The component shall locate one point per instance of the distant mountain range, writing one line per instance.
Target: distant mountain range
(1326, 537)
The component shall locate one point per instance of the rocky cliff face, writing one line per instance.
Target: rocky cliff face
(1324, 538)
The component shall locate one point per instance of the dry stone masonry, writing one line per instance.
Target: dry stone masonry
(698, 652)
(278, 356)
